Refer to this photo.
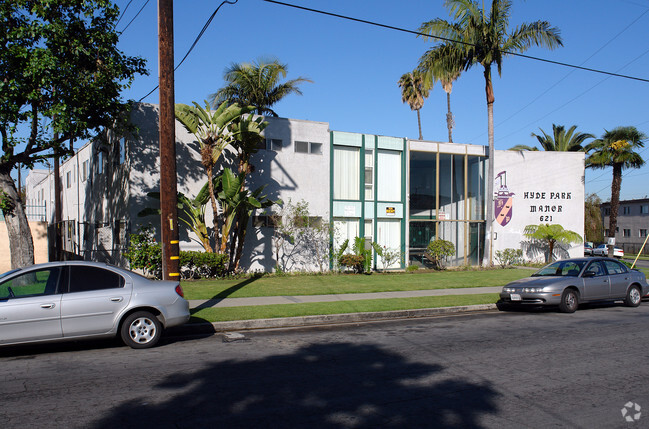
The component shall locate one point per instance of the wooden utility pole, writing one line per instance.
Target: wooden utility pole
(58, 209)
(168, 191)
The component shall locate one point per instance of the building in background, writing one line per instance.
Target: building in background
(397, 192)
(632, 224)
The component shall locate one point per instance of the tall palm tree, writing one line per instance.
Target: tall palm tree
(560, 140)
(443, 63)
(413, 93)
(257, 84)
(617, 149)
(484, 39)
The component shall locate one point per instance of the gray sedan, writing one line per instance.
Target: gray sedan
(75, 300)
(569, 282)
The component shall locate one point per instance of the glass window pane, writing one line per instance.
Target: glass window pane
(423, 167)
(346, 173)
(84, 279)
(389, 176)
(302, 147)
(316, 148)
(33, 283)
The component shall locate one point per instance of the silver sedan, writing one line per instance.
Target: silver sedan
(75, 300)
(569, 282)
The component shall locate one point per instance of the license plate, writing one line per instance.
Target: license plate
(515, 297)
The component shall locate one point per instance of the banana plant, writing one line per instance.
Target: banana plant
(192, 214)
(214, 132)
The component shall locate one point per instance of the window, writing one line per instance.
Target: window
(389, 175)
(275, 144)
(121, 151)
(369, 175)
(644, 209)
(346, 173)
(596, 267)
(642, 233)
(266, 221)
(32, 283)
(614, 267)
(84, 279)
(308, 147)
(627, 233)
(68, 180)
(607, 212)
(84, 171)
(626, 210)
(100, 162)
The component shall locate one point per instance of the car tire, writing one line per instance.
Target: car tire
(141, 330)
(633, 297)
(569, 301)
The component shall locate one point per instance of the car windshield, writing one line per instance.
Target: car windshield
(561, 269)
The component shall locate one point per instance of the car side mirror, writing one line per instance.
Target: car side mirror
(589, 274)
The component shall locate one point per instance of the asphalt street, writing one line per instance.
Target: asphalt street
(534, 369)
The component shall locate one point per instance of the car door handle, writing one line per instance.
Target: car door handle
(52, 305)
(117, 299)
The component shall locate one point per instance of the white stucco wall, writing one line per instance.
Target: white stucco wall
(546, 187)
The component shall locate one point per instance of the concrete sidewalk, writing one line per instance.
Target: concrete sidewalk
(330, 319)
(298, 299)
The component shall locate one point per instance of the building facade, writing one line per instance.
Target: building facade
(397, 192)
(632, 224)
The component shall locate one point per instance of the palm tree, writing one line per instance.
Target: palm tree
(551, 235)
(257, 84)
(443, 63)
(413, 93)
(484, 39)
(616, 149)
(560, 140)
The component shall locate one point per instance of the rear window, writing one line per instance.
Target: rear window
(85, 278)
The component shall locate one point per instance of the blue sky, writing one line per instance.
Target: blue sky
(355, 68)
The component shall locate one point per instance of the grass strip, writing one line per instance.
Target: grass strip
(322, 308)
(348, 283)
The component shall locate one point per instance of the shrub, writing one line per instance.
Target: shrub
(509, 257)
(144, 253)
(411, 268)
(356, 262)
(202, 264)
(438, 250)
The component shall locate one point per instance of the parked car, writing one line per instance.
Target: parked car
(569, 282)
(588, 249)
(602, 250)
(76, 299)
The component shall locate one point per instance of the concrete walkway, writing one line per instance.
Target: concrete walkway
(271, 300)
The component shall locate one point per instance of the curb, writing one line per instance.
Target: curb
(292, 322)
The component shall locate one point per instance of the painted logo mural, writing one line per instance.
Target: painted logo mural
(503, 200)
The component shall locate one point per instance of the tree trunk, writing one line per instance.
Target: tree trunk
(449, 117)
(215, 212)
(421, 137)
(490, 175)
(615, 203)
(21, 244)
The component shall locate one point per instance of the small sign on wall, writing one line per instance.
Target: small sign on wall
(611, 241)
(390, 211)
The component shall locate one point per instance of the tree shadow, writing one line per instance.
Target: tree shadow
(319, 386)
(224, 294)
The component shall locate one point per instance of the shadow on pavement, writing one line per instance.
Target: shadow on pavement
(318, 386)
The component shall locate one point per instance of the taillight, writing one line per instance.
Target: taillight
(179, 291)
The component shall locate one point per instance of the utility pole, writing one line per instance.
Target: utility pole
(168, 191)
(58, 210)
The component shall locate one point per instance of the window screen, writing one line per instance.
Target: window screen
(83, 279)
(302, 147)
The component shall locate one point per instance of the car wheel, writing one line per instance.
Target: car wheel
(633, 297)
(141, 330)
(569, 301)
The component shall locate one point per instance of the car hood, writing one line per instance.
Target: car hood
(539, 281)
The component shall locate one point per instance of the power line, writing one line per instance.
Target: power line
(207, 24)
(390, 27)
(136, 15)
(121, 15)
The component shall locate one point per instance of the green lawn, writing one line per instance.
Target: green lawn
(321, 308)
(348, 283)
